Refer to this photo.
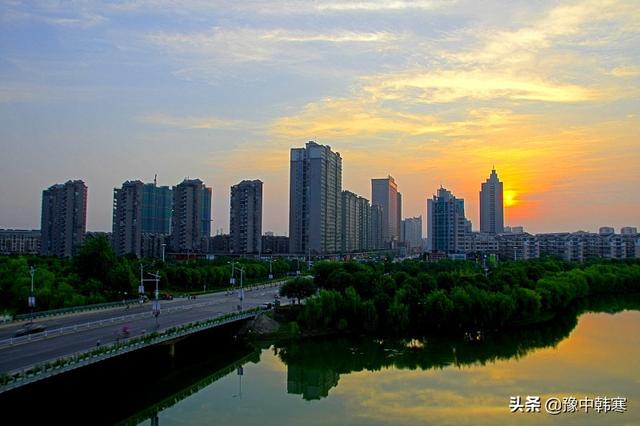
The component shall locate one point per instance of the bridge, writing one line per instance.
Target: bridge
(78, 339)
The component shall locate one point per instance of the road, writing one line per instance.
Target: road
(138, 319)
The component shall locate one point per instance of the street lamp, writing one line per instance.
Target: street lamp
(270, 268)
(163, 246)
(141, 286)
(32, 298)
(240, 372)
(233, 282)
(156, 302)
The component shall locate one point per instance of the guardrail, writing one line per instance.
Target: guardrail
(108, 305)
(80, 359)
(70, 310)
(99, 323)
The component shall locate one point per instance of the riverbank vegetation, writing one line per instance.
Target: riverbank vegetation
(416, 297)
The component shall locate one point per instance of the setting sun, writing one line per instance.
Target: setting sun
(510, 199)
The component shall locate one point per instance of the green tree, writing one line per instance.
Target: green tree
(298, 288)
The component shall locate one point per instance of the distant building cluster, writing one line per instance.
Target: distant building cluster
(324, 219)
(570, 246)
(450, 233)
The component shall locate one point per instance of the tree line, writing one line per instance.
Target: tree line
(97, 275)
(417, 297)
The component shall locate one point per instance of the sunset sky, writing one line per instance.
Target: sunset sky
(431, 92)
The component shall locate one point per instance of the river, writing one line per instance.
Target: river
(591, 356)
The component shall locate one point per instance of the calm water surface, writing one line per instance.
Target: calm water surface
(429, 381)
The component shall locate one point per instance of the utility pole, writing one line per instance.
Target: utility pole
(241, 289)
(32, 298)
(141, 286)
(233, 282)
(156, 302)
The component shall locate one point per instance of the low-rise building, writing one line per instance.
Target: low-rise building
(19, 241)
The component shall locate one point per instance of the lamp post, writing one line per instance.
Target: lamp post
(270, 268)
(141, 286)
(32, 298)
(156, 302)
(232, 279)
(163, 246)
(298, 268)
(241, 291)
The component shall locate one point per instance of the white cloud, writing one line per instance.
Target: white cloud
(188, 122)
(239, 45)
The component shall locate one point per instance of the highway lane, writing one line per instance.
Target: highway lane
(38, 351)
(52, 323)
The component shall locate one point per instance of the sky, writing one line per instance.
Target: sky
(432, 92)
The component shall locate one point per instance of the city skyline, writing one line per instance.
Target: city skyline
(108, 92)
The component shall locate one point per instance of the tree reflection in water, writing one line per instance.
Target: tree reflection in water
(314, 366)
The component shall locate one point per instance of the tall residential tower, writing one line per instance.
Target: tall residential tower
(384, 193)
(315, 200)
(447, 226)
(191, 219)
(64, 218)
(140, 210)
(245, 218)
(491, 208)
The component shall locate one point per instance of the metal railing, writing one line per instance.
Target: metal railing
(108, 305)
(53, 367)
(99, 323)
(71, 310)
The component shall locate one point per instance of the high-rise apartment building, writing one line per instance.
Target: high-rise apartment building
(356, 218)
(447, 226)
(126, 236)
(157, 203)
(139, 210)
(491, 207)
(245, 218)
(64, 218)
(384, 193)
(349, 221)
(399, 217)
(412, 233)
(376, 228)
(363, 215)
(315, 200)
(191, 218)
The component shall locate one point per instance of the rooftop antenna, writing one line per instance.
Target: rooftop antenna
(155, 180)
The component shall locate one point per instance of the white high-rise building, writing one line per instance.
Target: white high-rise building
(384, 193)
(315, 200)
(491, 206)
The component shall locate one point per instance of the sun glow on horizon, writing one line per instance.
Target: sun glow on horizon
(510, 198)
